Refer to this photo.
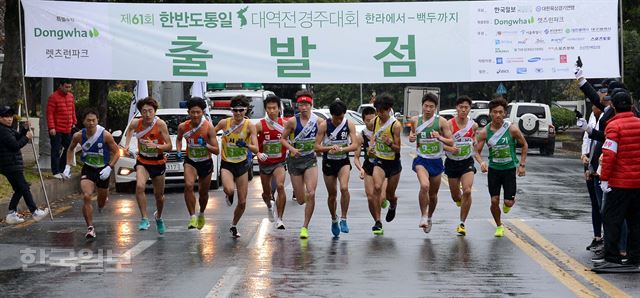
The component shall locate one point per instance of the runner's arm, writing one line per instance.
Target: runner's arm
(515, 132)
(412, 134)
(253, 139)
(113, 149)
(445, 128)
(356, 154)
(481, 137)
(164, 134)
(212, 143)
(74, 142)
(129, 133)
(179, 137)
(288, 129)
(396, 144)
(353, 135)
(322, 130)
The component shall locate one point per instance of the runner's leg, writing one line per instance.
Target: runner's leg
(434, 187)
(331, 183)
(189, 181)
(423, 194)
(467, 185)
(158, 193)
(203, 191)
(372, 198)
(242, 183)
(266, 180)
(345, 196)
(141, 181)
(87, 186)
(311, 182)
(281, 201)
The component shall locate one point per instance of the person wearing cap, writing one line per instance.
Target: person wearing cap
(597, 243)
(99, 154)
(201, 140)
(61, 120)
(620, 176)
(12, 166)
(238, 137)
(299, 137)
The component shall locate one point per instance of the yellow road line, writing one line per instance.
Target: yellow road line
(561, 275)
(30, 222)
(576, 266)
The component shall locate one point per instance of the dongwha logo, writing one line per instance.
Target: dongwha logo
(61, 34)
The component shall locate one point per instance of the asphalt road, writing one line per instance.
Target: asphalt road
(542, 254)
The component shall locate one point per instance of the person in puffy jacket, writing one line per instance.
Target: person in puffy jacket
(12, 166)
(620, 176)
(61, 121)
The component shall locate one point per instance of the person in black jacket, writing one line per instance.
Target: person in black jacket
(12, 166)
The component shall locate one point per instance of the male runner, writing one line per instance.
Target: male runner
(301, 131)
(335, 139)
(99, 154)
(201, 143)
(153, 140)
(430, 131)
(501, 137)
(385, 145)
(459, 164)
(238, 136)
(271, 158)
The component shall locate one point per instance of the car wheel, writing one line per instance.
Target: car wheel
(482, 121)
(528, 124)
(127, 187)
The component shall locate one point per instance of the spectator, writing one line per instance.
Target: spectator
(12, 166)
(597, 244)
(61, 120)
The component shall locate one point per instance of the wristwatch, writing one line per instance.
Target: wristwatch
(522, 165)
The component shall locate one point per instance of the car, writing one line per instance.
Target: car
(364, 105)
(124, 168)
(479, 112)
(535, 123)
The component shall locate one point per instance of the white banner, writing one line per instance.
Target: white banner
(322, 42)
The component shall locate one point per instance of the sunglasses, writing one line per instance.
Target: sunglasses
(238, 110)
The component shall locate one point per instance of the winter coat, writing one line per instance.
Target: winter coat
(621, 152)
(10, 155)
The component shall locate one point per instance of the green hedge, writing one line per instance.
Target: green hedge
(562, 118)
(117, 112)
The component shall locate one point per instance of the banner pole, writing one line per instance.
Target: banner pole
(26, 109)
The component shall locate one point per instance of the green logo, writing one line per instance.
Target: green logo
(242, 17)
(61, 34)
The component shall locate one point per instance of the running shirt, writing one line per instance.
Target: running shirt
(462, 139)
(341, 139)
(306, 144)
(195, 151)
(502, 156)
(428, 147)
(231, 152)
(96, 156)
(146, 155)
(269, 144)
(365, 147)
(382, 150)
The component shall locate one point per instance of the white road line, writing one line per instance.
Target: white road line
(138, 249)
(226, 284)
(259, 235)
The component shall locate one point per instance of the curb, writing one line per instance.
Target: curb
(56, 190)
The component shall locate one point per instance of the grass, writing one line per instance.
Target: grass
(31, 174)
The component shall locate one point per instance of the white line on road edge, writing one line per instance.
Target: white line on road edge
(226, 284)
(259, 235)
(138, 249)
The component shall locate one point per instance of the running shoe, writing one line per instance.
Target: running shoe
(505, 208)
(458, 203)
(144, 224)
(499, 231)
(271, 215)
(234, 232)
(385, 204)
(461, 230)
(425, 224)
(279, 224)
(344, 228)
(377, 228)
(391, 214)
(13, 218)
(193, 222)
(160, 226)
(39, 214)
(335, 228)
(229, 199)
(200, 222)
(304, 233)
(91, 233)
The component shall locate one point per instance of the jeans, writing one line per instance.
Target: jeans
(21, 189)
(59, 146)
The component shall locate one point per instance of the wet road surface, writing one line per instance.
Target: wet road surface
(542, 254)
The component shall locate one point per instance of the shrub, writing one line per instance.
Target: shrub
(562, 118)
(118, 103)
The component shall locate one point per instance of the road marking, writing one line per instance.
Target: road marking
(576, 266)
(30, 222)
(260, 235)
(226, 284)
(561, 275)
(138, 249)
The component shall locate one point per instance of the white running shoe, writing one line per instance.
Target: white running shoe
(91, 233)
(39, 214)
(58, 176)
(270, 212)
(13, 218)
(425, 224)
(279, 224)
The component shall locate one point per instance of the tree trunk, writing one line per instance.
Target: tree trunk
(11, 84)
(98, 94)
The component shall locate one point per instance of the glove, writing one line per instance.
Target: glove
(179, 155)
(262, 156)
(580, 76)
(105, 173)
(241, 143)
(584, 125)
(201, 141)
(66, 174)
(605, 186)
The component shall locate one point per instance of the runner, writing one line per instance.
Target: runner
(333, 140)
(99, 154)
(153, 141)
(430, 131)
(301, 131)
(385, 145)
(201, 143)
(271, 158)
(238, 136)
(501, 137)
(459, 164)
